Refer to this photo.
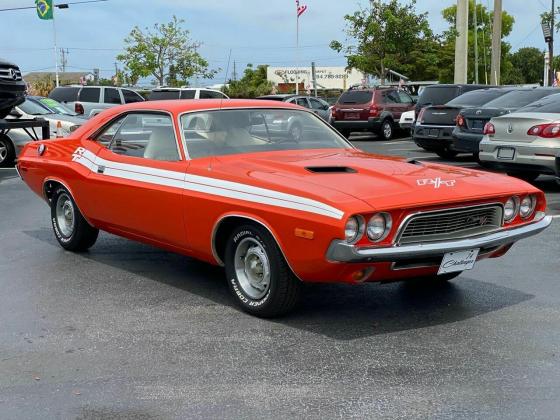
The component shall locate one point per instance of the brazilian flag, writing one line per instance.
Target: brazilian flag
(44, 9)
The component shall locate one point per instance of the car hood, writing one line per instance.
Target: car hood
(342, 178)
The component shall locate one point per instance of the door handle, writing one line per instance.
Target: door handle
(100, 169)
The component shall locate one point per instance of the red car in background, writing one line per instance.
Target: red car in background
(228, 182)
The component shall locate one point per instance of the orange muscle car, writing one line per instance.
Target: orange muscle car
(274, 194)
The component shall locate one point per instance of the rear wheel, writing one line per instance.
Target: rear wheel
(387, 130)
(7, 152)
(72, 231)
(258, 276)
(446, 153)
(525, 176)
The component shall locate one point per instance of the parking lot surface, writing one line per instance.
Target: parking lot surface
(129, 331)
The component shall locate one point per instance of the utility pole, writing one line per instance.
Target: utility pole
(462, 41)
(314, 77)
(116, 74)
(551, 75)
(475, 21)
(496, 44)
(234, 75)
(64, 59)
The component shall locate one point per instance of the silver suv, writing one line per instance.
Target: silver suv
(91, 100)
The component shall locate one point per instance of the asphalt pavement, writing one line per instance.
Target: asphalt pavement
(127, 331)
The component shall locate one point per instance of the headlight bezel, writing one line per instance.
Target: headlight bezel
(359, 232)
(515, 200)
(532, 206)
(387, 225)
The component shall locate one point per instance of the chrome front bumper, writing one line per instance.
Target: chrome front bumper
(340, 251)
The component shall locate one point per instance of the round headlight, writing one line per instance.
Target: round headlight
(379, 226)
(510, 209)
(353, 229)
(527, 206)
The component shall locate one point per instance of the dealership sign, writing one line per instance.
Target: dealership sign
(327, 77)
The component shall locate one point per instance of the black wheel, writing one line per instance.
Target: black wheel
(72, 231)
(7, 152)
(258, 276)
(446, 153)
(476, 157)
(525, 176)
(386, 131)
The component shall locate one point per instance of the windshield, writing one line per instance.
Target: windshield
(33, 108)
(550, 104)
(518, 98)
(476, 98)
(434, 95)
(56, 107)
(228, 132)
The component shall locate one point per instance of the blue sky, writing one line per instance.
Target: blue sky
(257, 31)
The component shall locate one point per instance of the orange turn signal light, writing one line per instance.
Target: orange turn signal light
(305, 234)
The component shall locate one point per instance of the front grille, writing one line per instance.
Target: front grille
(451, 224)
(10, 73)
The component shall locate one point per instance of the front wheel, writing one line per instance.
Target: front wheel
(258, 276)
(72, 231)
(386, 131)
(7, 153)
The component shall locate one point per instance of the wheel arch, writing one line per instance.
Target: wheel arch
(225, 225)
(50, 184)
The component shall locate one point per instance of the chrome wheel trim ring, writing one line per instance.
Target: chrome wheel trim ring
(387, 130)
(252, 268)
(3, 152)
(65, 215)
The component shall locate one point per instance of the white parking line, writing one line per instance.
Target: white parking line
(556, 216)
(397, 142)
(7, 169)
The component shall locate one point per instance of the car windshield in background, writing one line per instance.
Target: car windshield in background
(33, 108)
(228, 132)
(356, 97)
(476, 98)
(549, 105)
(437, 95)
(518, 98)
(162, 95)
(56, 107)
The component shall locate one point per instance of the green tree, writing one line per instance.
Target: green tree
(253, 83)
(484, 36)
(528, 65)
(166, 52)
(382, 37)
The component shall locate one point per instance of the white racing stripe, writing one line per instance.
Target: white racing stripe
(205, 185)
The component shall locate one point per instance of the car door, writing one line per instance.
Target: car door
(407, 103)
(392, 104)
(320, 108)
(137, 178)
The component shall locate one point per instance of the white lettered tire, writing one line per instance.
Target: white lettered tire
(70, 228)
(258, 276)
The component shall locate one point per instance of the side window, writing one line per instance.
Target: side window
(405, 98)
(208, 94)
(112, 96)
(391, 97)
(88, 94)
(188, 94)
(316, 104)
(302, 102)
(130, 96)
(65, 94)
(107, 135)
(146, 135)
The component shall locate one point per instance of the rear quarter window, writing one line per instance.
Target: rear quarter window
(188, 94)
(65, 94)
(355, 97)
(162, 95)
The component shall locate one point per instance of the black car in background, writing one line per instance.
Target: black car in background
(441, 94)
(467, 133)
(12, 87)
(435, 124)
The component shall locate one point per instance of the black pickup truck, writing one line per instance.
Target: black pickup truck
(12, 87)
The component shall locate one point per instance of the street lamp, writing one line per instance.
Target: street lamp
(549, 39)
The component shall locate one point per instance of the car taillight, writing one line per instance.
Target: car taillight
(421, 115)
(79, 108)
(460, 121)
(489, 129)
(547, 131)
(373, 110)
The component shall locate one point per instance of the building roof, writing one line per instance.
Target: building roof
(64, 77)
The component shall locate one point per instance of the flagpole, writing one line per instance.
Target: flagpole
(55, 52)
(297, 52)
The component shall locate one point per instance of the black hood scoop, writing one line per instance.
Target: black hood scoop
(330, 170)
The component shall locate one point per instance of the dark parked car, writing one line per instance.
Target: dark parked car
(441, 94)
(375, 110)
(317, 105)
(470, 122)
(12, 87)
(435, 124)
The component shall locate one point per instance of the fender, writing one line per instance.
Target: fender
(65, 185)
